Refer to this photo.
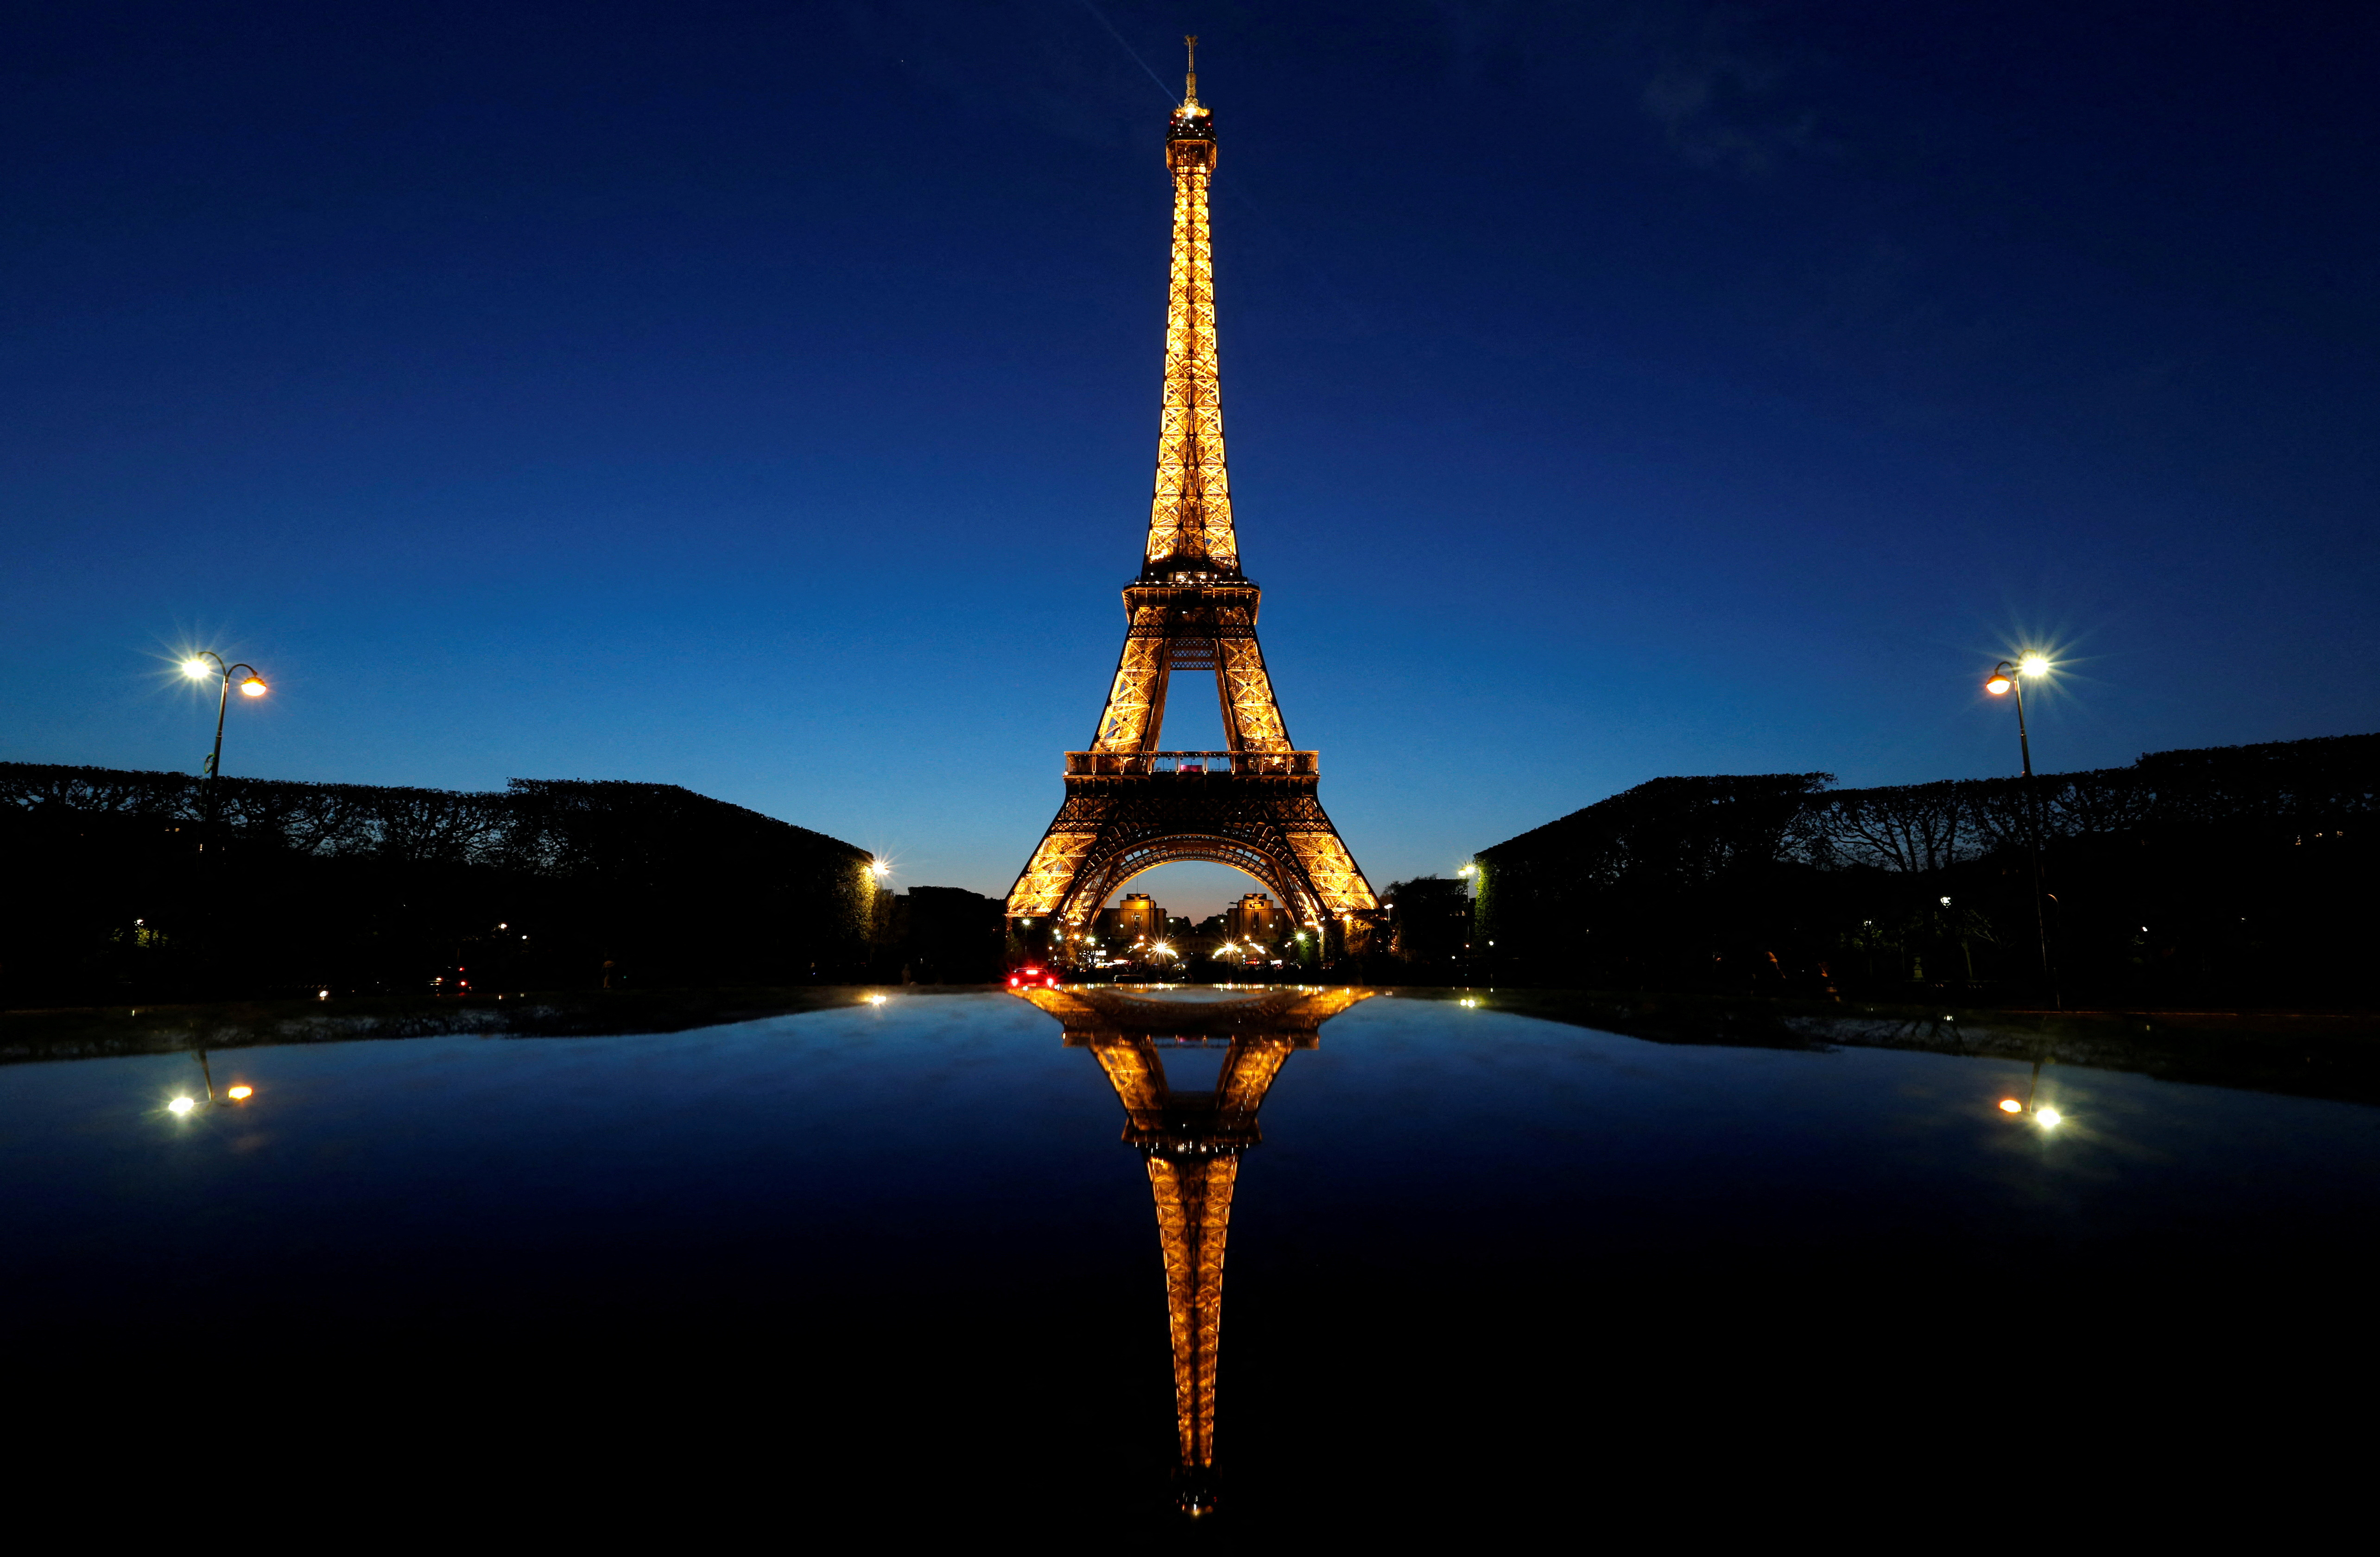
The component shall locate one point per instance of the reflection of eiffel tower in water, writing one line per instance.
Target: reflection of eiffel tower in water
(1192, 1142)
(1130, 806)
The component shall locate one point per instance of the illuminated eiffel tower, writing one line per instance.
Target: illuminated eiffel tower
(1129, 806)
(1192, 1142)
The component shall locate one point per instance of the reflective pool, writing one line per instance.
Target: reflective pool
(951, 1255)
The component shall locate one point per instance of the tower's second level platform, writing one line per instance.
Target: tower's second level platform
(1137, 765)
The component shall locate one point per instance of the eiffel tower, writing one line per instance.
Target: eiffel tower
(1192, 1143)
(1129, 806)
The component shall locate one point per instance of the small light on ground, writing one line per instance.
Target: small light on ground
(875, 1000)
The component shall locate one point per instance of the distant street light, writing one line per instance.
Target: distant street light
(2009, 677)
(197, 669)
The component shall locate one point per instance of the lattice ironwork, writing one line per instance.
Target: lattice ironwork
(1190, 513)
(1130, 806)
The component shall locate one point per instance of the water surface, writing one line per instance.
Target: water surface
(900, 1256)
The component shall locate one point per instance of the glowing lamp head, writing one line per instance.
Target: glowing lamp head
(1998, 685)
(181, 1105)
(2033, 665)
(197, 670)
(241, 1094)
(253, 688)
(2010, 1105)
(2050, 1118)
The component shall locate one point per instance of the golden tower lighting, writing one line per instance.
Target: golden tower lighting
(1129, 805)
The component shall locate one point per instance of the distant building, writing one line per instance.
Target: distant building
(1137, 918)
(1255, 920)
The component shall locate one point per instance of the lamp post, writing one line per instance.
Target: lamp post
(2009, 676)
(197, 669)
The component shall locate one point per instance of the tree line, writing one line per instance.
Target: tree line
(131, 885)
(2229, 874)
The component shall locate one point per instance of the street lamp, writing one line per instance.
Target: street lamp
(197, 669)
(2009, 676)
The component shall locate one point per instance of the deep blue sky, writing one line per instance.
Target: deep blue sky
(762, 398)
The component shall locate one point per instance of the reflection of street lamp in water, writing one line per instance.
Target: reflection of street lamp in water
(183, 1105)
(2047, 1117)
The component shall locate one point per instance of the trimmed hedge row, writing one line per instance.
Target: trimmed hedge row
(2231, 873)
(125, 888)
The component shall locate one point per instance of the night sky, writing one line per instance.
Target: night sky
(764, 398)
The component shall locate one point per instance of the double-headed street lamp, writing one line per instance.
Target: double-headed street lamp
(2009, 676)
(197, 668)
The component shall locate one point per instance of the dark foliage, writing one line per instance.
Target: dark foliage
(123, 890)
(948, 935)
(1428, 939)
(2228, 875)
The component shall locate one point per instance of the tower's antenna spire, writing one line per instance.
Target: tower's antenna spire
(1190, 94)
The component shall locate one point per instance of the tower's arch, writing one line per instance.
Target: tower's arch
(1113, 874)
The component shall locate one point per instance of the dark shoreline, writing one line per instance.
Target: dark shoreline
(2329, 1054)
(2334, 1055)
